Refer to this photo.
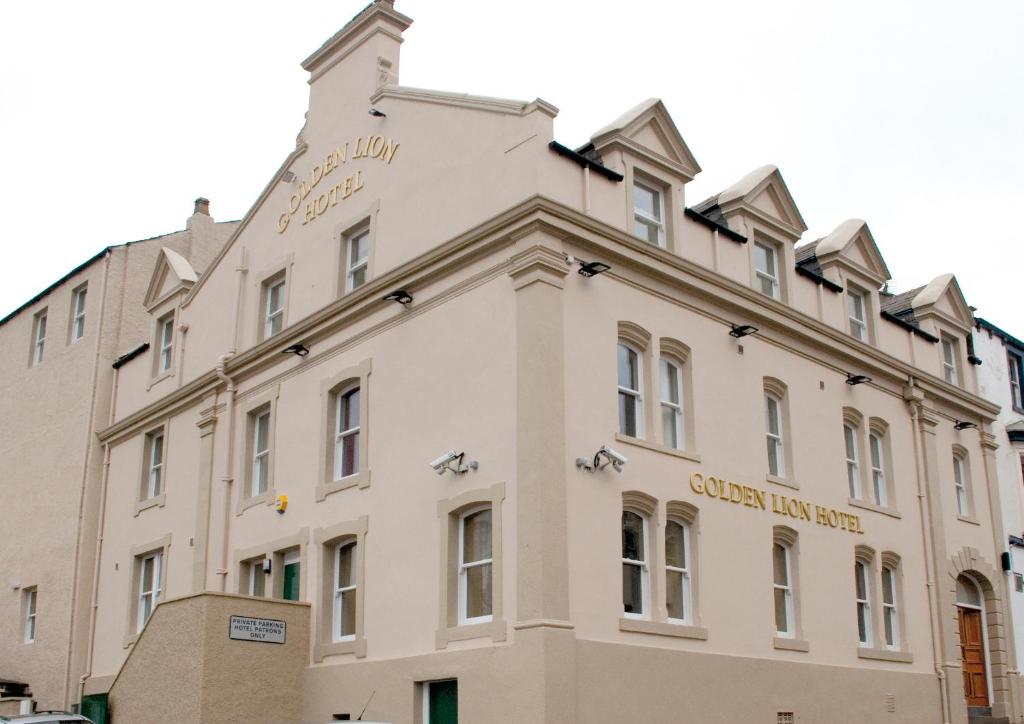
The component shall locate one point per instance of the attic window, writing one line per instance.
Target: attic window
(648, 213)
(855, 309)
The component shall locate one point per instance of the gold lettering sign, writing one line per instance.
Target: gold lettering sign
(310, 205)
(750, 497)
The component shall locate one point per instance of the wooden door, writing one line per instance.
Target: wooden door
(972, 657)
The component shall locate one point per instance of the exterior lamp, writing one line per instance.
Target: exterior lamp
(852, 380)
(399, 295)
(377, 114)
(592, 268)
(964, 425)
(300, 350)
(742, 330)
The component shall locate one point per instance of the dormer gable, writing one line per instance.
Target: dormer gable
(171, 274)
(851, 248)
(942, 301)
(648, 132)
(761, 195)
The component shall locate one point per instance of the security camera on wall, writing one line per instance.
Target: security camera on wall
(444, 463)
(604, 457)
(441, 464)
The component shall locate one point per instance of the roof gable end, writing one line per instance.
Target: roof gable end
(942, 298)
(851, 244)
(172, 273)
(649, 131)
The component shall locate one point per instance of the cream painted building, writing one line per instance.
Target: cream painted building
(697, 471)
(56, 353)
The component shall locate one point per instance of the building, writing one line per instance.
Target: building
(999, 380)
(780, 518)
(57, 351)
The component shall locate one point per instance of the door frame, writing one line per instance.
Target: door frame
(984, 632)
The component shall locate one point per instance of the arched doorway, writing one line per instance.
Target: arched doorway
(973, 642)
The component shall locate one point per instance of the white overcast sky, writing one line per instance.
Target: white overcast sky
(114, 116)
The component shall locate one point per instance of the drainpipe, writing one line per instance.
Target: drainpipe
(229, 474)
(929, 553)
(96, 565)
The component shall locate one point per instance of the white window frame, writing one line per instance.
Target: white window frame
(862, 578)
(155, 464)
(775, 440)
(890, 610)
(38, 337)
(765, 275)
(256, 574)
(687, 592)
(165, 338)
(339, 589)
(260, 458)
(960, 485)
(148, 596)
(1014, 363)
(361, 264)
(647, 220)
(643, 563)
(340, 435)
(790, 630)
(850, 435)
(273, 315)
(858, 324)
(635, 395)
(674, 408)
(31, 600)
(876, 451)
(464, 567)
(78, 313)
(950, 353)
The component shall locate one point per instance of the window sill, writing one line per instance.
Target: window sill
(159, 378)
(267, 497)
(769, 478)
(494, 629)
(901, 657)
(360, 479)
(674, 452)
(866, 505)
(356, 646)
(967, 519)
(658, 628)
(157, 502)
(785, 644)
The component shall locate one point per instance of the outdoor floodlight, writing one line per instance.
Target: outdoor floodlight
(399, 295)
(377, 114)
(852, 379)
(741, 330)
(964, 425)
(592, 268)
(297, 349)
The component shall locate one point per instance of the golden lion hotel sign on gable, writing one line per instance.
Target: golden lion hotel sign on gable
(751, 497)
(311, 199)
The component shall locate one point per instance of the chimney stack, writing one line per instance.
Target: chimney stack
(202, 206)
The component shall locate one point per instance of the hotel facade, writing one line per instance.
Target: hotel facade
(697, 470)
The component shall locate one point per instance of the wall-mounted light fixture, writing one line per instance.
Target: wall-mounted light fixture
(964, 425)
(604, 457)
(300, 350)
(288, 177)
(852, 379)
(377, 114)
(266, 565)
(446, 461)
(742, 330)
(399, 295)
(592, 268)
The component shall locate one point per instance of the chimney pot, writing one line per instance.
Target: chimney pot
(202, 206)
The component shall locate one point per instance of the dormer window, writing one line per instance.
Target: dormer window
(165, 340)
(950, 352)
(855, 311)
(648, 213)
(766, 269)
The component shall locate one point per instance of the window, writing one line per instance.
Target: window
(773, 432)
(165, 343)
(357, 257)
(960, 482)
(678, 600)
(890, 618)
(38, 337)
(1015, 364)
(852, 460)
(635, 583)
(855, 306)
(260, 425)
(878, 482)
(149, 586)
(950, 355)
(475, 561)
(671, 404)
(273, 305)
(31, 597)
(256, 585)
(154, 465)
(346, 434)
(766, 269)
(344, 619)
(648, 214)
(861, 575)
(630, 398)
(78, 313)
(782, 583)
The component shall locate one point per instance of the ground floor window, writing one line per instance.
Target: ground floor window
(290, 590)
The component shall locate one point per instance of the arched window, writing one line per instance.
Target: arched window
(774, 434)
(852, 460)
(890, 605)
(961, 482)
(631, 417)
(475, 563)
(862, 585)
(672, 433)
(678, 596)
(635, 570)
(346, 433)
(878, 452)
(344, 619)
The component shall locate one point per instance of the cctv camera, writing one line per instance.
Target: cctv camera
(616, 458)
(440, 464)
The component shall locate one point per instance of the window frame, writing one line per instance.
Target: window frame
(363, 264)
(464, 566)
(853, 295)
(145, 498)
(276, 315)
(153, 593)
(329, 541)
(648, 221)
(643, 564)
(949, 358)
(38, 348)
(1015, 374)
(163, 345)
(259, 475)
(250, 412)
(31, 616)
(772, 257)
(879, 479)
(790, 639)
(853, 470)
(962, 484)
(160, 546)
(635, 395)
(776, 440)
(154, 463)
(890, 609)
(330, 390)
(353, 431)
(685, 573)
(254, 566)
(76, 318)
(674, 407)
(339, 590)
(862, 573)
(786, 587)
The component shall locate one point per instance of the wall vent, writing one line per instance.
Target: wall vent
(890, 703)
(785, 717)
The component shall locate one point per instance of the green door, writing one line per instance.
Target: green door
(291, 582)
(95, 707)
(444, 702)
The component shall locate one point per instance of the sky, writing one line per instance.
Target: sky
(114, 116)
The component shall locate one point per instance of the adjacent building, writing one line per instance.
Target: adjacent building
(461, 423)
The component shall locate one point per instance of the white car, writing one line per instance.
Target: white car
(47, 717)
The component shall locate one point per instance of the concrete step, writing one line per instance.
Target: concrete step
(988, 720)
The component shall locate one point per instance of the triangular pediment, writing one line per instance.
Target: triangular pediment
(851, 244)
(649, 128)
(171, 274)
(763, 192)
(942, 298)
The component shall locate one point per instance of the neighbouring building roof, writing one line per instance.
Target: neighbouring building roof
(1007, 338)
